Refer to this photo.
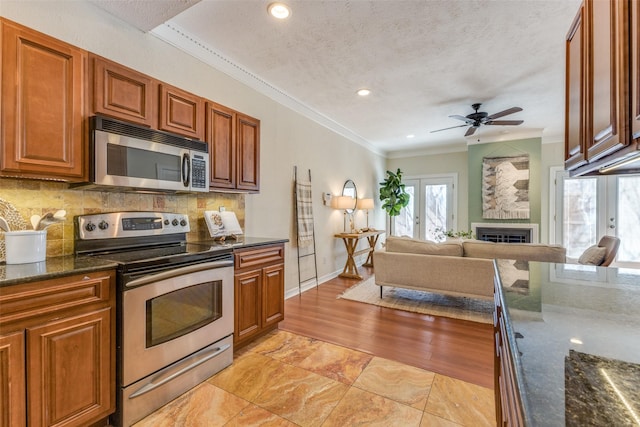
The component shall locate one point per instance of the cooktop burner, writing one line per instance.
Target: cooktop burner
(133, 255)
(141, 239)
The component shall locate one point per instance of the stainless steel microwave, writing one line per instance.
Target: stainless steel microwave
(131, 157)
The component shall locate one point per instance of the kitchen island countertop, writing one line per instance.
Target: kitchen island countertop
(574, 333)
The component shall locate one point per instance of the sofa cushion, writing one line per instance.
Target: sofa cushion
(423, 247)
(517, 251)
(593, 255)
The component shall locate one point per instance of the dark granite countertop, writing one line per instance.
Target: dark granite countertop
(574, 332)
(53, 267)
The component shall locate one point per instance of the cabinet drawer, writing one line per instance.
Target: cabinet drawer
(49, 296)
(259, 256)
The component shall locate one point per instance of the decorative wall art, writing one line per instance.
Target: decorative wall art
(505, 187)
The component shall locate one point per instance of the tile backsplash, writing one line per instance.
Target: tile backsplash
(31, 197)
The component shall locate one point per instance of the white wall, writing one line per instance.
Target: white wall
(287, 138)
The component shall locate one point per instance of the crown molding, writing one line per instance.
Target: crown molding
(178, 37)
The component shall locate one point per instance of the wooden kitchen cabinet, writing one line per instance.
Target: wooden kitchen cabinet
(635, 72)
(575, 94)
(607, 77)
(221, 137)
(602, 106)
(13, 380)
(122, 93)
(234, 149)
(507, 396)
(248, 141)
(42, 106)
(57, 347)
(181, 112)
(259, 291)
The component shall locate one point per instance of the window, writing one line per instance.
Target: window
(591, 207)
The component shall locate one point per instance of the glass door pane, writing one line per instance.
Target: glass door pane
(579, 215)
(628, 219)
(404, 224)
(436, 210)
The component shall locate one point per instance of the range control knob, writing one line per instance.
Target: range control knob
(90, 226)
(166, 222)
(174, 222)
(183, 222)
(103, 225)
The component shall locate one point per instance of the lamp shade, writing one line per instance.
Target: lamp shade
(343, 202)
(365, 204)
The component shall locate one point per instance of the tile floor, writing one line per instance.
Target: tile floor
(285, 379)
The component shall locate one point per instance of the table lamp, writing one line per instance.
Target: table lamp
(365, 204)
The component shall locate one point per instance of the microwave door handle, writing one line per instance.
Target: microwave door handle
(186, 169)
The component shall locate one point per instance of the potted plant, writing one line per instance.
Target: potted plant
(393, 195)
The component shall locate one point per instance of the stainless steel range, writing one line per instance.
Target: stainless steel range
(175, 305)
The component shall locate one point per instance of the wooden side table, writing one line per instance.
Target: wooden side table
(351, 242)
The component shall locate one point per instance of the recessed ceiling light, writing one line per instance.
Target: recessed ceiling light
(411, 136)
(363, 92)
(279, 10)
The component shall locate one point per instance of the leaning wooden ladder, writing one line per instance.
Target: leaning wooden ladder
(305, 232)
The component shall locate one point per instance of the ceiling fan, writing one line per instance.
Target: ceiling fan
(474, 120)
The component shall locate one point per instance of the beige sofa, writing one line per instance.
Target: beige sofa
(454, 267)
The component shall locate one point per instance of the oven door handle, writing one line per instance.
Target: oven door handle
(165, 377)
(179, 272)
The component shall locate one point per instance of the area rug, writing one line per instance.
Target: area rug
(421, 302)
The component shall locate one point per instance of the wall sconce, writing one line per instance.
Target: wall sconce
(344, 203)
(365, 204)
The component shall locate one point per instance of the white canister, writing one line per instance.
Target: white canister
(25, 246)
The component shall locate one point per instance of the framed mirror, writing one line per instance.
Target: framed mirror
(349, 189)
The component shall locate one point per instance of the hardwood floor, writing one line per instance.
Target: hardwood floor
(456, 348)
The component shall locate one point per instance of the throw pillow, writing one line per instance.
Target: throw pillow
(593, 255)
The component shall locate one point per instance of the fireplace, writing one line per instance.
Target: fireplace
(506, 232)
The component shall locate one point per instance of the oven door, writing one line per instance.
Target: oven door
(173, 314)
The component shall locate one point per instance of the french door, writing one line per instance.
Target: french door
(431, 208)
(591, 207)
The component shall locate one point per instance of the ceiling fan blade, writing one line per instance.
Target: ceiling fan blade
(463, 118)
(471, 131)
(504, 113)
(452, 127)
(505, 122)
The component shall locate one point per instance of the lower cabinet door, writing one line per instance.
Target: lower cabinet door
(247, 304)
(70, 370)
(272, 295)
(12, 380)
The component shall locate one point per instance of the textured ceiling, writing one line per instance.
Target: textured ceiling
(423, 60)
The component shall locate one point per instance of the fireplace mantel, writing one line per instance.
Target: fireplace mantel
(533, 228)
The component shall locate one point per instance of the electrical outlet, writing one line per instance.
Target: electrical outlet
(222, 209)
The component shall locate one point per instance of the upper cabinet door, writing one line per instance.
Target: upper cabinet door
(575, 94)
(608, 68)
(122, 93)
(635, 70)
(181, 112)
(221, 137)
(43, 82)
(248, 142)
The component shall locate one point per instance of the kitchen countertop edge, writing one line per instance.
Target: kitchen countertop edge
(68, 265)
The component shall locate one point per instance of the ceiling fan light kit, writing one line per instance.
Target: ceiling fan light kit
(479, 118)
